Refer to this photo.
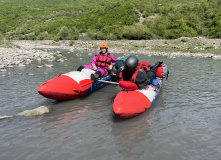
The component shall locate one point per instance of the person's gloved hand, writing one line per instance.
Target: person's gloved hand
(158, 64)
(118, 72)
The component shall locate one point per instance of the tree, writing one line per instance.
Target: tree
(63, 33)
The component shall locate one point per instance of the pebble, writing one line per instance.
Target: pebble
(60, 60)
(29, 51)
(30, 74)
(78, 55)
(21, 65)
(3, 70)
(24, 55)
(49, 65)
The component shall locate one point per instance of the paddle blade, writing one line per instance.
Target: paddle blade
(85, 84)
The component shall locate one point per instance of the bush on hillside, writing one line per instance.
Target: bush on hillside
(43, 36)
(136, 31)
(64, 33)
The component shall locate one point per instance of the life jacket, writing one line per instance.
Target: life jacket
(131, 84)
(162, 71)
(103, 60)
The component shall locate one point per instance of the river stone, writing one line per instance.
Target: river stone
(3, 70)
(60, 60)
(49, 65)
(10, 66)
(30, 74)
(34, 112)
(4, 117)
(21, 65)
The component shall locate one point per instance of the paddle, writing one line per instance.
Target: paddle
(108, 82)
(87, 83)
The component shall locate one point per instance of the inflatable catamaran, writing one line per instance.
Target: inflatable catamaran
(72, 85)
(128, 103)
(131, 102)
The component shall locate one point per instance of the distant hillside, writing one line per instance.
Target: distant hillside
(109, 19)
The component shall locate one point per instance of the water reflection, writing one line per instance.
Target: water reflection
(63, 117)
(77, 117)
(134, 132)
(129, 131)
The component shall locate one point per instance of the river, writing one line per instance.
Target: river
(183, 124)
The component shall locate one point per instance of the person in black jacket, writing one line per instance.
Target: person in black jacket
(143, 77)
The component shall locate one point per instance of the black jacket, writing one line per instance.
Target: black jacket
(143, 77)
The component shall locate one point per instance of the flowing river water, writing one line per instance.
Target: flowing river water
(183, 124)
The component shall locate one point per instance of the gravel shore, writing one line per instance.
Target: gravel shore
(25, 52)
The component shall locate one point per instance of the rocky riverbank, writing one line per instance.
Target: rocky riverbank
(22, 53)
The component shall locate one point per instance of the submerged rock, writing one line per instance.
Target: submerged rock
(60, 60)
(30, 74)
(34, 112)
(4, 117)
(49, 65)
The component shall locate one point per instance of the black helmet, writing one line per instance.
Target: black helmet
(131, 63)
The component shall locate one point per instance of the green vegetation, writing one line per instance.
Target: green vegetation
(109, 19)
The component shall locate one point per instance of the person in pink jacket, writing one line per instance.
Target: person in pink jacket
(102, 62)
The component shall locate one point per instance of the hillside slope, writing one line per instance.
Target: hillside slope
(105, 19)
